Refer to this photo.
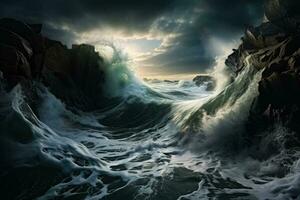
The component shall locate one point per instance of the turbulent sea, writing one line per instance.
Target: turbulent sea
(155, 140)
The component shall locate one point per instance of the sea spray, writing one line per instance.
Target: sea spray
(156, 137)
(120, 77)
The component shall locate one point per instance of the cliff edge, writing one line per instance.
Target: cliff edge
(274, 48)
(74, 75)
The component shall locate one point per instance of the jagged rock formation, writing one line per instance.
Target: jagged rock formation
(74, 75)
(274, 47)
(205, 79)
(283, 13)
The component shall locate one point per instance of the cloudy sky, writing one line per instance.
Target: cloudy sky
(161, 37)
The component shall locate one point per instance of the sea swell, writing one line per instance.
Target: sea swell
(146, 143)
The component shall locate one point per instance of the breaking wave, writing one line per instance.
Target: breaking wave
(156, 140)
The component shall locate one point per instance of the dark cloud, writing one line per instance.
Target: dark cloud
(186, 51)
(86, 14)
(83, 15)
(230, 16)
(186, 25)
(195, 23)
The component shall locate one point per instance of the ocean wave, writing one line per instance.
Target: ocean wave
(150, 138)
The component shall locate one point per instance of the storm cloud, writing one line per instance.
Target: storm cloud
(84, 15)
(185, 28)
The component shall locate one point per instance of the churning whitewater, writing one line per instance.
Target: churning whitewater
(154, 139)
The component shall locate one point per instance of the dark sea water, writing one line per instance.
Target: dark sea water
(157, 140)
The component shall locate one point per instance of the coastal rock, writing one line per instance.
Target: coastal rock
(205, 79)
(274, 48)
(200, 79)
(283, 13)
(57, 59)
(74, 75)
(28, 45)
(13, 62)
(19, 28)
(12, 39)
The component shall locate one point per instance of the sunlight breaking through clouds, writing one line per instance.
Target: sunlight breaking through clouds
(166, 36)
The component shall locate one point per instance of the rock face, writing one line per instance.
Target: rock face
(274, 47)
(74, 75)
(205, 79)
(283, 13)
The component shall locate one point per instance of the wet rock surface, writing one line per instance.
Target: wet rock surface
(274, 47)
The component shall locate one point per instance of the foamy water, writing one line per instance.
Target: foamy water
(158, 140)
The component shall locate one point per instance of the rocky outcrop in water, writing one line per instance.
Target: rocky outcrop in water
(274, 47)
(73, 75)
(205, 79)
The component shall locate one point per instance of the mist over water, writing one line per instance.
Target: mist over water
(156, 140)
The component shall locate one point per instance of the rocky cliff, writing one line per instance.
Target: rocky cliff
(74, 75)
(273, 47)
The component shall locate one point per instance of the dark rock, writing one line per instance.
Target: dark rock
(30, 38)
(168, 81)
(292, 46)
(200, 79)
(73, 75)
(27, 32)
(37, 28)
(11, 39)
(277, 67)
(273, 47)
(13, 62)
(210, 85)
(283, 13)
(232, 60)
(57, 59)
(267, 34)
(205, 79)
